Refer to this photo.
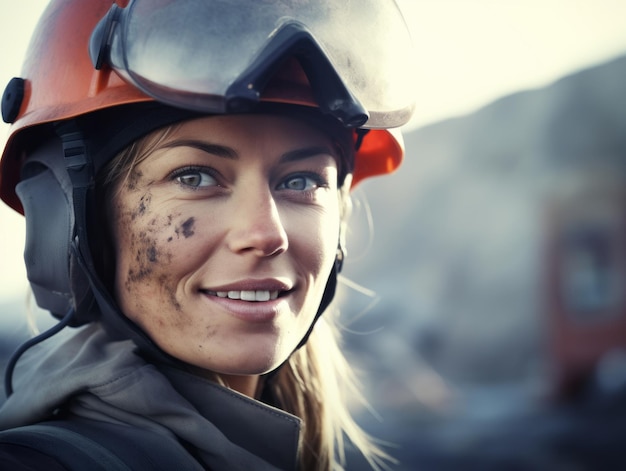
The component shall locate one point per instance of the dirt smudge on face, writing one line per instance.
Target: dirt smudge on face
(133, 179)
(145, 238)
(210, 332)
(144, 244)
(146, 233)
(152, 254)
(186, 228)
(143, 206)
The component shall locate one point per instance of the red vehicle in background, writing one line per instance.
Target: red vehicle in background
(586, 299)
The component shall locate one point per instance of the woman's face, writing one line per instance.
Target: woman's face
(225, 236)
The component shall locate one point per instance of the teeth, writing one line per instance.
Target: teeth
(259, 295)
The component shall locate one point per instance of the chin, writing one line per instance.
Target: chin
(255, 368)
(251, 364)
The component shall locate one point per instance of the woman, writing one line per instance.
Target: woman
(184, 170)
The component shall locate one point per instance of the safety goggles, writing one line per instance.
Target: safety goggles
(217, 56)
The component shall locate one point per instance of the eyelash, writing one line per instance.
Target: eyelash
(318, 180)
(185, 171)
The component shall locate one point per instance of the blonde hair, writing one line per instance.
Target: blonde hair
(316, 383)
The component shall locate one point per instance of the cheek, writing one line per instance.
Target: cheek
(317, 237)
(145, 242)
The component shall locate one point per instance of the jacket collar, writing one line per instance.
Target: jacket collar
(266, 432)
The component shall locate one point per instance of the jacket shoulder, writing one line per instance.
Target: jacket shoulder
(99, 446)
(26, 458)
(62, 448)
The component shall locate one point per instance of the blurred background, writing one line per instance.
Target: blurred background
(483, 295)
(496, 325)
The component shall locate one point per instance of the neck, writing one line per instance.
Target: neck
(250, 386)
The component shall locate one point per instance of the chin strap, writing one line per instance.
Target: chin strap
(329, 294)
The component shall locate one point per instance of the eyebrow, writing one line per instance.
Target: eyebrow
(305, 153)
(229, 153)
(215, 149)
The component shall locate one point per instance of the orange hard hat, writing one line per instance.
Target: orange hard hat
(59, 82)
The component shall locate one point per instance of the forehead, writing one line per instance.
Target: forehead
(255, 129)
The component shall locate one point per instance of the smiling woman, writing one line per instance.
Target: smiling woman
(255, 200)
(188, 218)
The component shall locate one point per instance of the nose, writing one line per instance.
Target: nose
(256, 225)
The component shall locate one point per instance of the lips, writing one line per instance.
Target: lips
(251, 291)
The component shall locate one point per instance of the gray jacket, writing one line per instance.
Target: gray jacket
(92, 377)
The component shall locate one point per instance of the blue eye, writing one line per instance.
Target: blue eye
(299, 183)
(195, 178)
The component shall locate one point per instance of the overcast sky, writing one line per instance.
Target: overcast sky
(468, 53)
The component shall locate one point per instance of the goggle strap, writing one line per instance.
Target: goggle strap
(360, 135)
(100, 41)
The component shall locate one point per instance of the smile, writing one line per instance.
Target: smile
(246, 295)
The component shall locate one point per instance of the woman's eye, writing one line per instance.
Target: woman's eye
(195, 178)
(299, 183)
